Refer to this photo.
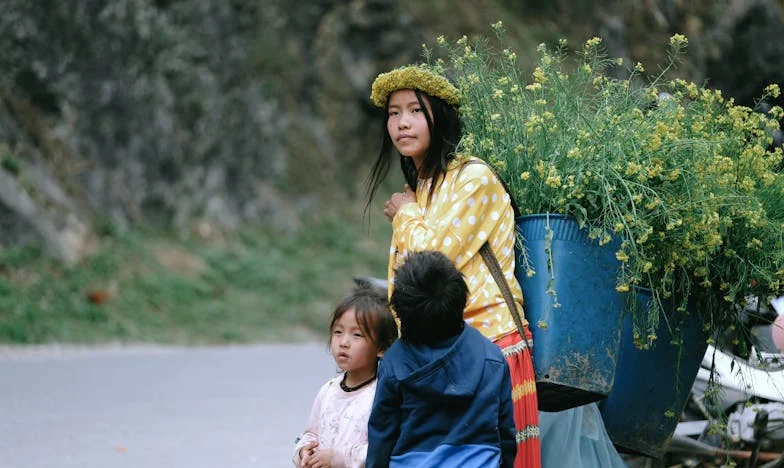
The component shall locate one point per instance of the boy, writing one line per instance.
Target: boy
(443, 396)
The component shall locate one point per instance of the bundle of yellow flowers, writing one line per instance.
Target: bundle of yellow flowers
(686, 179)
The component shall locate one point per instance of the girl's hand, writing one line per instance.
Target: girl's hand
(306, 454)
(397, 200)
(321, 459)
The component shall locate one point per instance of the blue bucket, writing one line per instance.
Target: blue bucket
(652, 386)
(575, 344)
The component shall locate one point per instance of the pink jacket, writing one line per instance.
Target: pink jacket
(339, 421)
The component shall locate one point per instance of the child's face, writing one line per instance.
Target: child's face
(353, 350)
(407, 125)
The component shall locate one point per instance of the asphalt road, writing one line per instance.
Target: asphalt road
(151, 407)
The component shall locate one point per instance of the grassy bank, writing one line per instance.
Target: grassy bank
(250, 286)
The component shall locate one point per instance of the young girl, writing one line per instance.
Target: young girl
(454, 204)
(336, 436)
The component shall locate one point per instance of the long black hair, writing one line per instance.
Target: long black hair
(444, 125)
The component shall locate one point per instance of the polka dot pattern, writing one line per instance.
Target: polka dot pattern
(468, 208)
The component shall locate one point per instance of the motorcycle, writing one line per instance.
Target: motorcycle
(736, 405)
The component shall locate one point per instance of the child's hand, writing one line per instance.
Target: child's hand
(397, 200)
(306, 454)
(321, 459)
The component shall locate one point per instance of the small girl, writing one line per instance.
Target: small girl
(336, 436)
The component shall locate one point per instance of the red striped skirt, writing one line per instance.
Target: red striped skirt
(526, 409)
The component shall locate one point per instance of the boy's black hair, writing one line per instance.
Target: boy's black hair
(373, 315)
(429, 297)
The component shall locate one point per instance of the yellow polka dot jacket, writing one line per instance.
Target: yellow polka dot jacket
(469, 207)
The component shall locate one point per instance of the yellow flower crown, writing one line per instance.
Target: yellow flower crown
(413, 77)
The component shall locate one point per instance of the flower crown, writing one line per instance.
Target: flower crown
(413, 77)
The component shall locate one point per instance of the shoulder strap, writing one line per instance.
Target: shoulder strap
(492, 262)
(495, 269)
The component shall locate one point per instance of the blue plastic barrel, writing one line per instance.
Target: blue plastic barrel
(575, 343)
(652, 386)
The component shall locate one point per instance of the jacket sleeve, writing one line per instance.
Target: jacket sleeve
(311, 433)
(506, 424)
(473, 211)
(385, 420)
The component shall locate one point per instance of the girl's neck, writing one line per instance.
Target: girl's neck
(354, 378)
(418, 165)
(417, 162)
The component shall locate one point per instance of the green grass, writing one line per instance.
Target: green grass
(255, 285)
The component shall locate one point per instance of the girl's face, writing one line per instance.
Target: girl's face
(353, 350)
(407, 125)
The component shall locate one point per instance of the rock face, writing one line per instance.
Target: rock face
(746, 52)
(155, 101)
(170, 111)
(180, 112)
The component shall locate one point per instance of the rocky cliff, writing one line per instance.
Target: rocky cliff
(177, 112)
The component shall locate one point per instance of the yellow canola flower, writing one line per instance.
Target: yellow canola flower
(539, 76)
(593, 42)
(599, 81)
(692, 90)
(540, 169)
(632, 168)
(754, 243)
(533, 122)
(678, 40)
(553, 178)
(413, 77)
(773, 90)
